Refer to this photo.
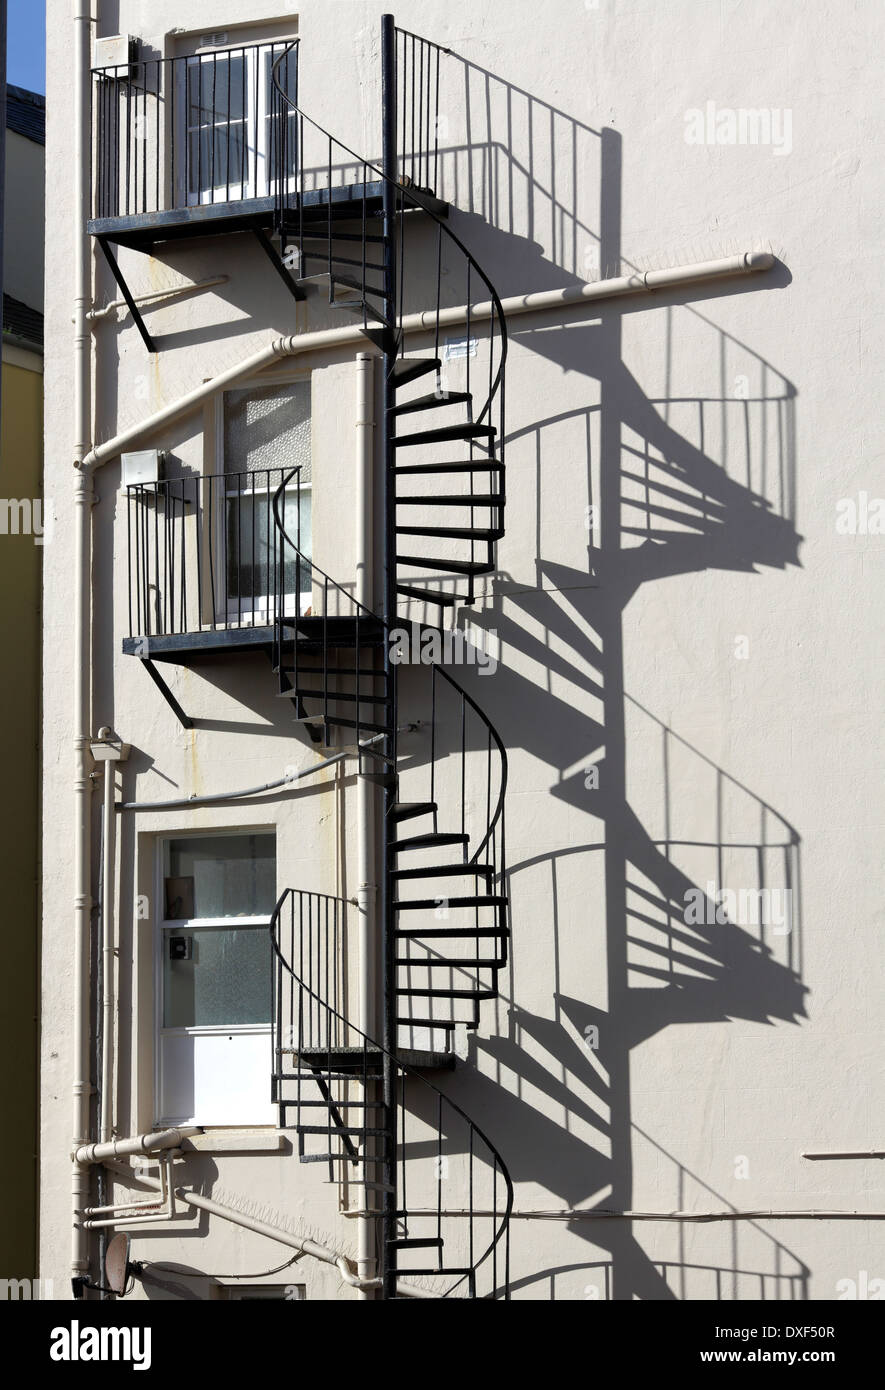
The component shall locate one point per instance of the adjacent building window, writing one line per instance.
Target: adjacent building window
(215, 1003)
(265, 434)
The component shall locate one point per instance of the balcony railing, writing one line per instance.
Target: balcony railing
(174, 133)
(204, 552)
(210, 128)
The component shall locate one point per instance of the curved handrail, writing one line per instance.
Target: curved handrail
(499, 1164)
(416, 201)
(309, 564)
(502, 752)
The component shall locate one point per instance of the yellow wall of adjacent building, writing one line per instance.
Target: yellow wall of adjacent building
(20, 569)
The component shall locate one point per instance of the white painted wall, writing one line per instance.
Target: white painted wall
(720, 1059)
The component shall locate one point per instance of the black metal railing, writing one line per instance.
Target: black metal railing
(327, 1083)
(307, 644)
(204, 551)
(456, 946)
(171, 133)
(351, 262)
(418, 78)
(312, 936)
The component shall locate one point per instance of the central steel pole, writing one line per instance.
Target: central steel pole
(388, 508)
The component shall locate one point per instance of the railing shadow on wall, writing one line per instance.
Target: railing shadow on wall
(681, 476)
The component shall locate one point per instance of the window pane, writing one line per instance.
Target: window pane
(287, 72)
(216, 90)
(216, 158)
(216, 105)
(252, 549)
(268, 428)
(279, 110)
(220, 876)
(226, 980)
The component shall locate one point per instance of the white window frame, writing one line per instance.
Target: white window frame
(264, 1113)
(259, 179)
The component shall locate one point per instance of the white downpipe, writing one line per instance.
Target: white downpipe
(263, 1228)
(365, 585)
(110, 751)
(82, 372)
(367, 890)
(107, 954)
(746, 263)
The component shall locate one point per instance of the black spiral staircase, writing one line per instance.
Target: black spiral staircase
(444, 902)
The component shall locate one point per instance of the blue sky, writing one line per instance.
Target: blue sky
(26, 44)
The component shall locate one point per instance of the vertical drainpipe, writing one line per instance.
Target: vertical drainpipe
(83, 497)
(107, 954)
(110, 751)
(388, 511)
(367, 849)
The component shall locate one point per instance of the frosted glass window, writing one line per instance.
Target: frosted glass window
(224, 982)
(220, 876)
(268, 428)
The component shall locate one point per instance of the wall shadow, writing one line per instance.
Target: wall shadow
(678, 481)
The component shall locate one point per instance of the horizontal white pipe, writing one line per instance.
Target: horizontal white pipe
(175, 292)
(278, 347)
(249, 791)
(601, 1214)
(746, 263)
(263, 1228)
(140, 1144)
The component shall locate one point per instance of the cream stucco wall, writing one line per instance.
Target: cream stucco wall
(722, 673)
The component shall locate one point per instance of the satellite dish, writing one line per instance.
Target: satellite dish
(116, 1263)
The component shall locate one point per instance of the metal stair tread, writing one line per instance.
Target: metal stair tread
(432, 837)
(455, 566)
(433, 401)
(407, 369)
(469, 499)
(444, 434)
(428, 595)
(468, 900)
(454, 466)
(457, 533)
(413, 991)
(445, 871)
(415, 1243)
(419, 933)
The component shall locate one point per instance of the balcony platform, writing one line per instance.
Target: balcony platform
(182, 648)
(345, 201)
